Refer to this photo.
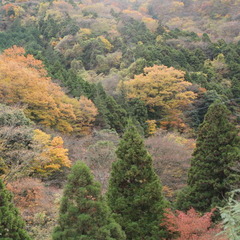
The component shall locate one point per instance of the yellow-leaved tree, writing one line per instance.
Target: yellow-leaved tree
(53, 156)
(108, 46)
(152, 128)
(23, 80)
(164, 90)
(86, 112)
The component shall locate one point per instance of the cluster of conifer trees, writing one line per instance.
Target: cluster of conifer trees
(134, 205)
(115, 66)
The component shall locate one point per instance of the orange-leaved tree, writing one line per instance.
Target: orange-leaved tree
(163, 90)
(53, 156)
(23, 80)
(12, 11)
(192, 226)
(85, 112)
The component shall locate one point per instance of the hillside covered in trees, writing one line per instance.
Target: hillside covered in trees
(119, 119)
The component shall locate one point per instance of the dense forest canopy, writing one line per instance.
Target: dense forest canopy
(98, 81)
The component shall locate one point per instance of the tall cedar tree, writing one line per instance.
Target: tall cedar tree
(11, 224)
(135, 192)
(84, 214)
(211, 175)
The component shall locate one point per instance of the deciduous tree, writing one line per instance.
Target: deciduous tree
(25, 151)
(86, 112)
(163, 90)
(192, 226)
(24, 80)
(53, 156)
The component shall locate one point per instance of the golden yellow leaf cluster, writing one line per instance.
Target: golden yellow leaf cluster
(53, 155)
(24, 81)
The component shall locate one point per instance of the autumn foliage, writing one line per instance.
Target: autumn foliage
(28, 194)
(162, 89)
(37, 204)
(161, 86)
(25, 151)
(192, 226)
(12, 11)
(85, 112)
(53, 156)
(24, 80)
(11, 224)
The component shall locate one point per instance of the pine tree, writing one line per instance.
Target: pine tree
(211, 175)
(116, 115)
(111, 114)
(84, 214)
(11, 224)
(135, 192)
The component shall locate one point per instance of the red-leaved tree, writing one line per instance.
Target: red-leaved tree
(192, 225)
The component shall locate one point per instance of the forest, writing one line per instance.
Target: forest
(119, 119)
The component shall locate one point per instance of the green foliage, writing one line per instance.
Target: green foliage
(170, 56)
(84, 214)
(76, 85)
(201, 106)
(116, 115)
(236, 88)
(205, 38)
(111, 114)
(16, 150)
(211, 175)
(231, 217)
(183, 200)
(21, 35)
(134, 31)
(138, 112)
(53, 28)
(91, 49)
(44, 26)
(12, 117)
(135, 192)
(22, 153)
(11, 224)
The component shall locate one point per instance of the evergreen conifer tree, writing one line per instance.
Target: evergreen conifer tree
(111, 114)
(211, 175)
(11, 224)
(84, 214)
(135, 192)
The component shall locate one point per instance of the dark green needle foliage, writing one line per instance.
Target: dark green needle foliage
(84, 214)
(11, 224)
(135, 192)
(212, 175)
